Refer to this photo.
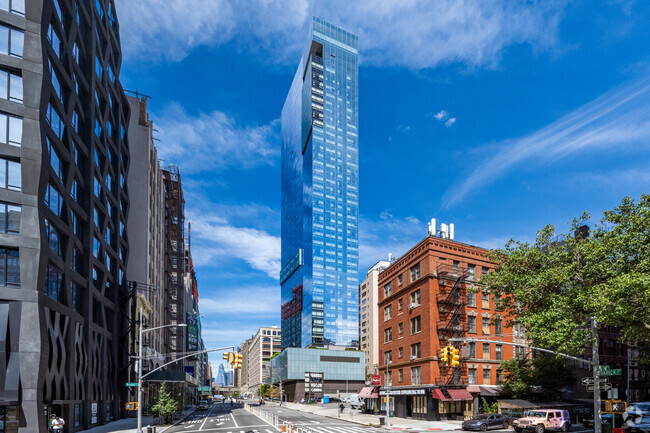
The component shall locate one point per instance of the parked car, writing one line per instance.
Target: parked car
(486, 421)
(544, 419)
(202, 405)
(356, 402)
(335, 400)
(606, 419)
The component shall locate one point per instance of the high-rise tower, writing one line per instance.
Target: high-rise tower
(320, 194)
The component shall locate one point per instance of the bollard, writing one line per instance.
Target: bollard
(149, 430)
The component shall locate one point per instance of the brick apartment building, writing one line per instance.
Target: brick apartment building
(423, 301)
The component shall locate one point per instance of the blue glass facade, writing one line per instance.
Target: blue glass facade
(320, 194)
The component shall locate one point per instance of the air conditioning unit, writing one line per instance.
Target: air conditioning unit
(442, 282)
(413, 305)
(413, 357)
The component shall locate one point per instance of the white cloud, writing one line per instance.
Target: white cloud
(413, 33)
(260, 300)
(441, 115)
(619, 118)
(214, 239)
(213, 140)
(450, 122)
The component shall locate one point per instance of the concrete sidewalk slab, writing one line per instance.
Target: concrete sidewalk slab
(130, 425)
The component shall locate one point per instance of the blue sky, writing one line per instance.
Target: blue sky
(498, 116)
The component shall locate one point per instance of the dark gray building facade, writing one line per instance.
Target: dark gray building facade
(63, 211)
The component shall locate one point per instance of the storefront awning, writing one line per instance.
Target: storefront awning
(487, 391)
(367, 392)
(460, 394)
(437, 394)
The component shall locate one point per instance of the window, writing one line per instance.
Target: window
(486, 376)
(415, 298)
(11, 41)
(471, 272)
(400, 328)
(75, 192)
(53, 199)
(98, 129)
(97, 219)
(98, 68)
(471, 376)
(14, 6)
(98, 188)
(471, 299)
(75, 52)
(11, 86)
(485, 300)
(387, 290)
(388, 313)
(456, 267)
(53, 118)
(416, 350)
(486, 325)
(484, 270)
(416, 375)
(399, 280)
(498, 353)
(75, 262)
(96, 247)
(100, 11)
(472, 350)
(388, 335)
(53, 281)
(471, 324)
(499, 377)
(486, 350)
(54, 240)
(388, 357)
(111, 74)
(56, 83)
(55, 161)
(400, 304)
(76, 224)
(400, 374)
(108, 237)
(9, 267)
(9, 218)
(415, 272)
(11, 130)
(498, 327)
(10, 177)
(415, 325)
(400, 352)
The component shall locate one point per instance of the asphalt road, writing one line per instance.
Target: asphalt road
(221, 417)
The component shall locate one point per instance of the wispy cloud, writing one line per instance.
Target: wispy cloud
(260, 300)
(442, 116)
(216, 240)
(387, 234)
(214, 140)
(619, 118)
(413, 33)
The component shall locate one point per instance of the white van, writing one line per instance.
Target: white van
(356, 402)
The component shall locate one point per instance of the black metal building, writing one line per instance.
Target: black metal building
(63, 211)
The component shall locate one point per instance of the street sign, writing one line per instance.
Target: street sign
(603, 387)
(131, 383)
(605, 370)
(375, 380)
(590, 380)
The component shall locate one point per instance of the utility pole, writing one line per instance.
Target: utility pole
(596, 367)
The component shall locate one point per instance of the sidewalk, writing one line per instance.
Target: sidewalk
(130, 425)
(350, 415)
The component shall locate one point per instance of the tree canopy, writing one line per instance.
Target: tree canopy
(545, 376)
(554, 286)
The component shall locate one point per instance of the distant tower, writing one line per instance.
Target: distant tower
(320, 194)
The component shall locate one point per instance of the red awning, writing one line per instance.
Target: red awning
(366, 392)
(436, 393)
(460, 394)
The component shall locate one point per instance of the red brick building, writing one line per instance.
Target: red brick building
(423, 301)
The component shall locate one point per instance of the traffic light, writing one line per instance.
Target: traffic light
(231, 358)
(444, 354)
(455, 358)
(226, 356)
(238, 360)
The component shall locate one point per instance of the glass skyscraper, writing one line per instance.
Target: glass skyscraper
(320, 194)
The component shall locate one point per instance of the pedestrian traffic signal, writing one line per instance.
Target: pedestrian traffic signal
(444, 354)
(238, 360)
(455, 358)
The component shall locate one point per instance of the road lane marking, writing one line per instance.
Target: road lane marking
(233, 420)
(206, 418)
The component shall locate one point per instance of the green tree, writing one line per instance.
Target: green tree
(165, 405)
(557, 285)
(488, 407)
(547, 374)
(517, 378)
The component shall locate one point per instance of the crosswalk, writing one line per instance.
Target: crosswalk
(307, 429)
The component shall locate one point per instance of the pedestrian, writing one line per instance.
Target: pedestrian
(51, 425)
(341, 407)
(57, 424)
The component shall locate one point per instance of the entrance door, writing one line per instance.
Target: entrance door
(409, 406)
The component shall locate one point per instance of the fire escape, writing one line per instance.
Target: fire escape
(452, 318)
(174, 256)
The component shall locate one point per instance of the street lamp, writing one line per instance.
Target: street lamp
(142, 331)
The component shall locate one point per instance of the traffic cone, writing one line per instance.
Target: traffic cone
(284, 429)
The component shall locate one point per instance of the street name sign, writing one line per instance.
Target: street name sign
(605, 370)
(603, 387)
(590, 380)
(131, 383)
